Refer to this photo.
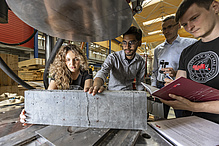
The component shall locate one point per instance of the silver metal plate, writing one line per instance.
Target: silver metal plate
(76, 20)
(60, 135)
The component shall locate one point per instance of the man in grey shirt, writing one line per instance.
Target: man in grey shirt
(167, 54)
(124, 66)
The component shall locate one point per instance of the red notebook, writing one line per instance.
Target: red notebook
(189, 89)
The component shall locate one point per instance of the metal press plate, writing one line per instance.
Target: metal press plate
(76, 20)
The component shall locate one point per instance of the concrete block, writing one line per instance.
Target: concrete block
(110, 109)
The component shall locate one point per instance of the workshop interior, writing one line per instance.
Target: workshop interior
(31, 34)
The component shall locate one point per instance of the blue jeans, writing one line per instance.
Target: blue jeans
(179, 113)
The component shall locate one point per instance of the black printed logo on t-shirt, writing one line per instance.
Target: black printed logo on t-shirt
(203, 66)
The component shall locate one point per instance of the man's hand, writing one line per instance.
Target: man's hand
(167, 81)
(179, 103)
(97, 86)
(170, 71)
(86, 89)
(96, 89)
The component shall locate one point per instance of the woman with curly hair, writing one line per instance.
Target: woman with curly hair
(69, 70)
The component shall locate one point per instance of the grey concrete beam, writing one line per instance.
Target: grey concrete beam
(110, 109)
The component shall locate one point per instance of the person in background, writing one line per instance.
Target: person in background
(123, 66)
(69, 71)
(166, 56)
(200, 61)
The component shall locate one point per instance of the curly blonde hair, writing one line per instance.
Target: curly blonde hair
(58, 69)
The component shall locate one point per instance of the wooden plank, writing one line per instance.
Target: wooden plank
(61, 135)
(9, 114)
(35, 61)
(1, 79)
(31, 75)
(110, 109)
(14, 60)
(4, 57)
(20, 136)
(5, 89)
(4, 79)
(10, 60)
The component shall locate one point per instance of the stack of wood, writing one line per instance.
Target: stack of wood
(35, 84)
(7, 98)
(31, 70)
(6, 83)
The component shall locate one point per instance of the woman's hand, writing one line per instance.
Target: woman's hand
(23, 117)
(170, 71)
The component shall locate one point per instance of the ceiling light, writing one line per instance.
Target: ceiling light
(152, 21)
(147, 3)
(154, 32)
(156, 20)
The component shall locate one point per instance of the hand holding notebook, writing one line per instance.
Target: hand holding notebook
(186, 88)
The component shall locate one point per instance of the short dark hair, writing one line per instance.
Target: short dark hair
(185, 5)
(135, 31)
(168, 18)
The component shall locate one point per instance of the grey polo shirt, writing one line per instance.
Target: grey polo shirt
(122, 73)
